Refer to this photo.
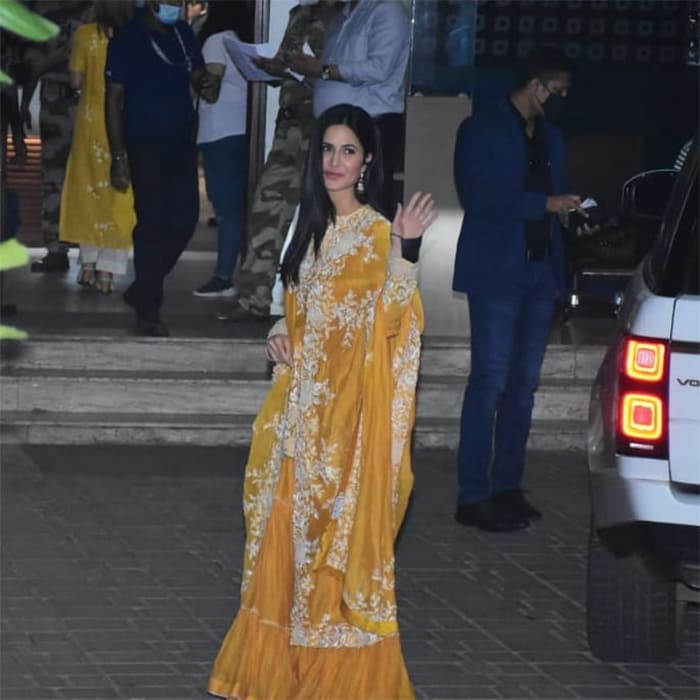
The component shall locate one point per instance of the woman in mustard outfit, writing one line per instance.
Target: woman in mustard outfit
(329, 473)
(93, 213)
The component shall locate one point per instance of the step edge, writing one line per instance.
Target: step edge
(428, 344)
(8, 418)
(547, 383)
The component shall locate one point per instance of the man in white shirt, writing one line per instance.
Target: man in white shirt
(364, 64)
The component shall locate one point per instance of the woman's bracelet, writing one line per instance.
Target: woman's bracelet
(119, 156)
(396, 235)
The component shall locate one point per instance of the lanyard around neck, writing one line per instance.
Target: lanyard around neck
(164, 58)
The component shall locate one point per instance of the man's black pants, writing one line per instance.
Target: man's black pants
(166, 198)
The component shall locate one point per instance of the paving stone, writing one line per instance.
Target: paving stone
(681, 692)
(99, 623)
(513, 669)
(33, 694)
(11, 681)
(446, 692)
(688, 663)
(543, 690)
(581, 673)
(425, 651)
(169, 692)
(600, 692)
(447, 674)
(95, 693)
(660, 675)
(79, 681)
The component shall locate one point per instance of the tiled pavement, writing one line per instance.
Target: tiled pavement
(120, 571)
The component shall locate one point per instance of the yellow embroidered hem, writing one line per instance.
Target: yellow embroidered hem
(257, 661)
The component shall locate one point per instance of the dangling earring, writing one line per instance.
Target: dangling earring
(360, 184)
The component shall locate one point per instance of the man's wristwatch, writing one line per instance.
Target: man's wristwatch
(326, 73)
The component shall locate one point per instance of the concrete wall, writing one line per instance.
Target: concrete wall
(431, 130)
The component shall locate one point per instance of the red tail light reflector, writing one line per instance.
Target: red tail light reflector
(642, 397)
(644, 360)
(641, 416)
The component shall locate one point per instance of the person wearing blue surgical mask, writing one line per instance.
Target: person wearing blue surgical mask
(152, 66)
(168, 13)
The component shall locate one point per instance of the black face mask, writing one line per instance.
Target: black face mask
(553, 106)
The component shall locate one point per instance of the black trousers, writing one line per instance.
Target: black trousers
(392, 128)
(166, 198)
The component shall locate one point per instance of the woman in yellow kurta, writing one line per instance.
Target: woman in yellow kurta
(329, 474)
(93, 213)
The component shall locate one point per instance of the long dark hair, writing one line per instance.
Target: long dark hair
(316, 210)
(224, 15)
(112, 15)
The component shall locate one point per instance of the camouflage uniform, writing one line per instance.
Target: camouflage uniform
(277, 192)
(57, 110)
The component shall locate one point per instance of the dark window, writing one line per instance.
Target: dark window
(684, 259)
(672, 266)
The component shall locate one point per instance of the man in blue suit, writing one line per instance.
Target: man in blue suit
(511, 179)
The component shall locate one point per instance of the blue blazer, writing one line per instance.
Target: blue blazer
(490, 172)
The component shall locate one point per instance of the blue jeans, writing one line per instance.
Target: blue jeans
(508, 342)
(225, 165)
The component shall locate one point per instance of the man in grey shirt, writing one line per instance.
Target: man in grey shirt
(364, 64)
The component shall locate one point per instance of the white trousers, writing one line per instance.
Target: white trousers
(104, 259)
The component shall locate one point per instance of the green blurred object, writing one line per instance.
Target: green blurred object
(12, 333)
(16, 18)
(12, 254)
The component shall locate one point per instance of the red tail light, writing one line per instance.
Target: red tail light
(641, 416)
(644, 360)
(642, 424)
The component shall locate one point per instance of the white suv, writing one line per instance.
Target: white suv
(644, 449)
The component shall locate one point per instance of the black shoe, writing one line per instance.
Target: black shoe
(51, 262)
(129, 296)
(152, 329)
(485, 516)
(514, 503)
(212, 222)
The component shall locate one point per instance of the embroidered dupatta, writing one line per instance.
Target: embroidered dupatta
(344, 414)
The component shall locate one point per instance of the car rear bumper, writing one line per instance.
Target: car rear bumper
(638, 490)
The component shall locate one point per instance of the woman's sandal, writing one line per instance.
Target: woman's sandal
(105, 282)
(86, 276)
